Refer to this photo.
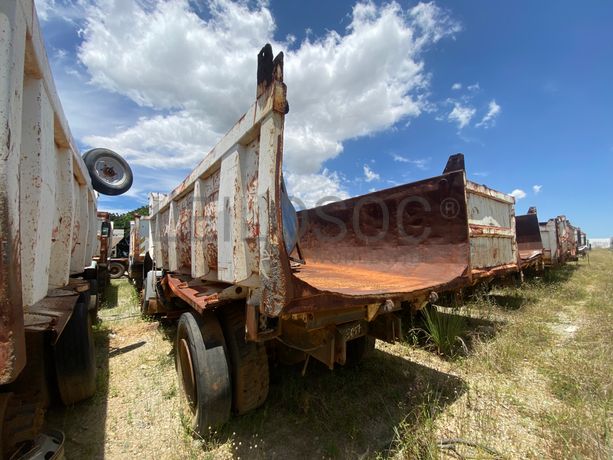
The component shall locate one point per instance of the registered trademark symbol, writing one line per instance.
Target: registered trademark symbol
(450, 208)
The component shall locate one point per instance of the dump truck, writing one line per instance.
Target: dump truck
(246, 275)
(567, 239)
(529, 241)
(118, 260)
(138, 263)
(582, 243)
(49, 234)
(559, 241)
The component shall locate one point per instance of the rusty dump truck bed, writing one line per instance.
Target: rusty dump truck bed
(529, 240)
(404, 242)
(559, 241)
(230, 223)
(227, 246)
(386, 244)
(398, 244)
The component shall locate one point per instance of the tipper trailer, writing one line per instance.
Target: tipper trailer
(49, 233)
(529, 241)
(245, 274)
(559, 241)
(138, 262)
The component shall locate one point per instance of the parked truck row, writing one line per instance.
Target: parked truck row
(247, 277)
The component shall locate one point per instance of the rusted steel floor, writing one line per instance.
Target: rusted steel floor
(356, 280)
(530, 254)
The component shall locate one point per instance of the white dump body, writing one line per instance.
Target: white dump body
(549, 236)
(48, 224)
(491, 218)
(139, 238)
(223, 222)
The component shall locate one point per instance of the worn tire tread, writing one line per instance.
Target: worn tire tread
(248, 362)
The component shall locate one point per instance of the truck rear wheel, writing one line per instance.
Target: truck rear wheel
(94, 300)
(116, 270)
(203, 373)
(75, 362)
(248, 362)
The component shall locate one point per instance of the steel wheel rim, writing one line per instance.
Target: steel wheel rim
(110, 171)
(188, 380)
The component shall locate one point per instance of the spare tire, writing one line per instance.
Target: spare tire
(109, 172)
(116, 270)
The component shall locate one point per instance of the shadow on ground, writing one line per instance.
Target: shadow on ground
(111, 296)
(509, 301)
(84, 423)
(560, 274)
(346, 413)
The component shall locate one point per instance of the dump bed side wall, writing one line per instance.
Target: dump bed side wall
(223, 223)
(391, 228)
(394, 243)
(491, 217)
(550, 241)
(567, 238)
(528, 232)
(47, 206)
(139, 238)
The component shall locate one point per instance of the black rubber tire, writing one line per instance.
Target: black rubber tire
(359, 348)
(94, 300)
(248, 362)
(135, 274)
(202, 369)
(144, 306)
(102, 278)
(74, 356)
(116, 270)
(108, 185)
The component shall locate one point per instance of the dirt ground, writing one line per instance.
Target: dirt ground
(533, 381)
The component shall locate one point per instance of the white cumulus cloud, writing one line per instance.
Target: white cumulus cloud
(421, 163)
(461, 114)
(370, 175)
(537, 189)
(309, 190)
(456, 86)
(518, 194)
(490, 117)
(196, 76)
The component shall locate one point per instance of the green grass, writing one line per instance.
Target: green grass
(444, 331)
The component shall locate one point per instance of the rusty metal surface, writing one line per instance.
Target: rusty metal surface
(559, 240)
(196, 293)
(103, 235)
(139, 239)
(47, 204)
(567, 239)
(529, 239)
(491, 217)
(396, 243)
(50, 314)
(223, 224)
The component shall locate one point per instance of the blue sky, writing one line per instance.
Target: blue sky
(380, 93)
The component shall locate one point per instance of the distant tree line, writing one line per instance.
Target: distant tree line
(123, 220)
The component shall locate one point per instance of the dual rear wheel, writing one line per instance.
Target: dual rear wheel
(219, 371)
